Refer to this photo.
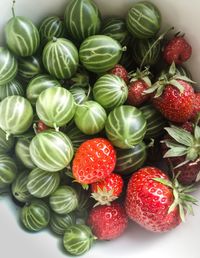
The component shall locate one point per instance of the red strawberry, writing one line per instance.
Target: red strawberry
(151, 202)
(136, 95)
(120, 71)
(181, 149)
(139, 83)
(108, 189)
(94, 160)
(177, 50)
(173, 96)
(175, 104)
(108, 222)
(188, 126)
(196, 106)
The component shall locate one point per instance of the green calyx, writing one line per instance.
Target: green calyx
(182, 199)
(183, 143)
(141, 75)
(103, 197)
(170, 78)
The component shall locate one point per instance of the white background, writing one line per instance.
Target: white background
(183, 242)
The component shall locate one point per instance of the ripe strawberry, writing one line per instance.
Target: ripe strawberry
(120, 71)
(176, 105)
(174, 96)
(94, 160)
(182, 151)
(108, 189)
(108, 222)
(154, 202)
(177, 50)
(138, 84)
(196, 106)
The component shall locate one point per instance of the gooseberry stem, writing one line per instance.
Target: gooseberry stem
(13, 8)
(154, 44)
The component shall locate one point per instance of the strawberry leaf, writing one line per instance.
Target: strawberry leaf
(153, 88)
(182, 212)
(188, 198)
(172, 69)
(183, 78)
(192, 154)
(159, 91)
(175, 152)
(171, 144)
(176, 84)
(180, 135)
(163, 181)
(197, 132)
(147, 81)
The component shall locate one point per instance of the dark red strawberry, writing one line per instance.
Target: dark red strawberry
(139, 83)
(154, 202)
(108, 221)
(108, 189)
(94, 160)
(182, 151)
(177, 50)
(173, 96)
(175, 104)
(196, 106)
(120, 71)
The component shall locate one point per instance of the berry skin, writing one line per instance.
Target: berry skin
(108, 189)
(196, 106)
(108, 222)
(148, 201)
(177, 50)
(136, 95)
(94, 160)
(174, 105)
(189, 172)
(120, 71)
(40, 127)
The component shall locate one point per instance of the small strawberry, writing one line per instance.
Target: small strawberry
(174, 96)
(182, 151)
(94, 160)
(196, 106)
(108, 189)
(177, 50)
(138, 84)
(108, 222)
(154, 202)
(120, 71)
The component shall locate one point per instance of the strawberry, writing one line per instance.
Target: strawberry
(94, 160)
(174, 96)
(138, 84)
(182, 152)
(108, 221)
(177, 50)
(120, 71)
(154, 202)
(196, 106)
(108, 189)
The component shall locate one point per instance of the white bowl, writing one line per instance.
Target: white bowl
(181, 242)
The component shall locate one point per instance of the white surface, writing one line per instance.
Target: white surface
(183, 242)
